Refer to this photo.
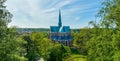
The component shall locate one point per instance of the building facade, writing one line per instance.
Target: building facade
(60, 33)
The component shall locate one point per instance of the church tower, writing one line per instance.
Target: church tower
(60, 33)
(60, 22)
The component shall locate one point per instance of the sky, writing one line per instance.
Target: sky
(44, 13)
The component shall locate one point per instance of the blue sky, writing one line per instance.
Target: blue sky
(44, 13)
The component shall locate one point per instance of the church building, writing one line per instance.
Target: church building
(60, 33)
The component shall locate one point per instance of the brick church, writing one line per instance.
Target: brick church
(60, 33)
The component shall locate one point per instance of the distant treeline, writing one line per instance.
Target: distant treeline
(38, 30)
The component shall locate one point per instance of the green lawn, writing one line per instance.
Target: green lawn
(76, 58)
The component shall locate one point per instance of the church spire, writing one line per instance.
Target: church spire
(60, 22)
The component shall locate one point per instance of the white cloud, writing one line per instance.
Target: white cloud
(77, 18)
(34, 8)
(42, 13)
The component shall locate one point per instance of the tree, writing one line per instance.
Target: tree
(80, 40)
(110, 11)
(9, 43)
(100, 46)
(116, 45)
(59, 52)
(104, 44)
(38, 46)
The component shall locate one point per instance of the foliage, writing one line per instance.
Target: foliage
(100, 47)
(59, 52)
(76, 57)
(80, 40)
(38, 46)
(104, 44)
(110, 12)
(100, 43)
(9, 43)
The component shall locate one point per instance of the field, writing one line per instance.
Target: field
(76, 57)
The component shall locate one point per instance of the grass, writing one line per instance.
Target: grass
(76, 57)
